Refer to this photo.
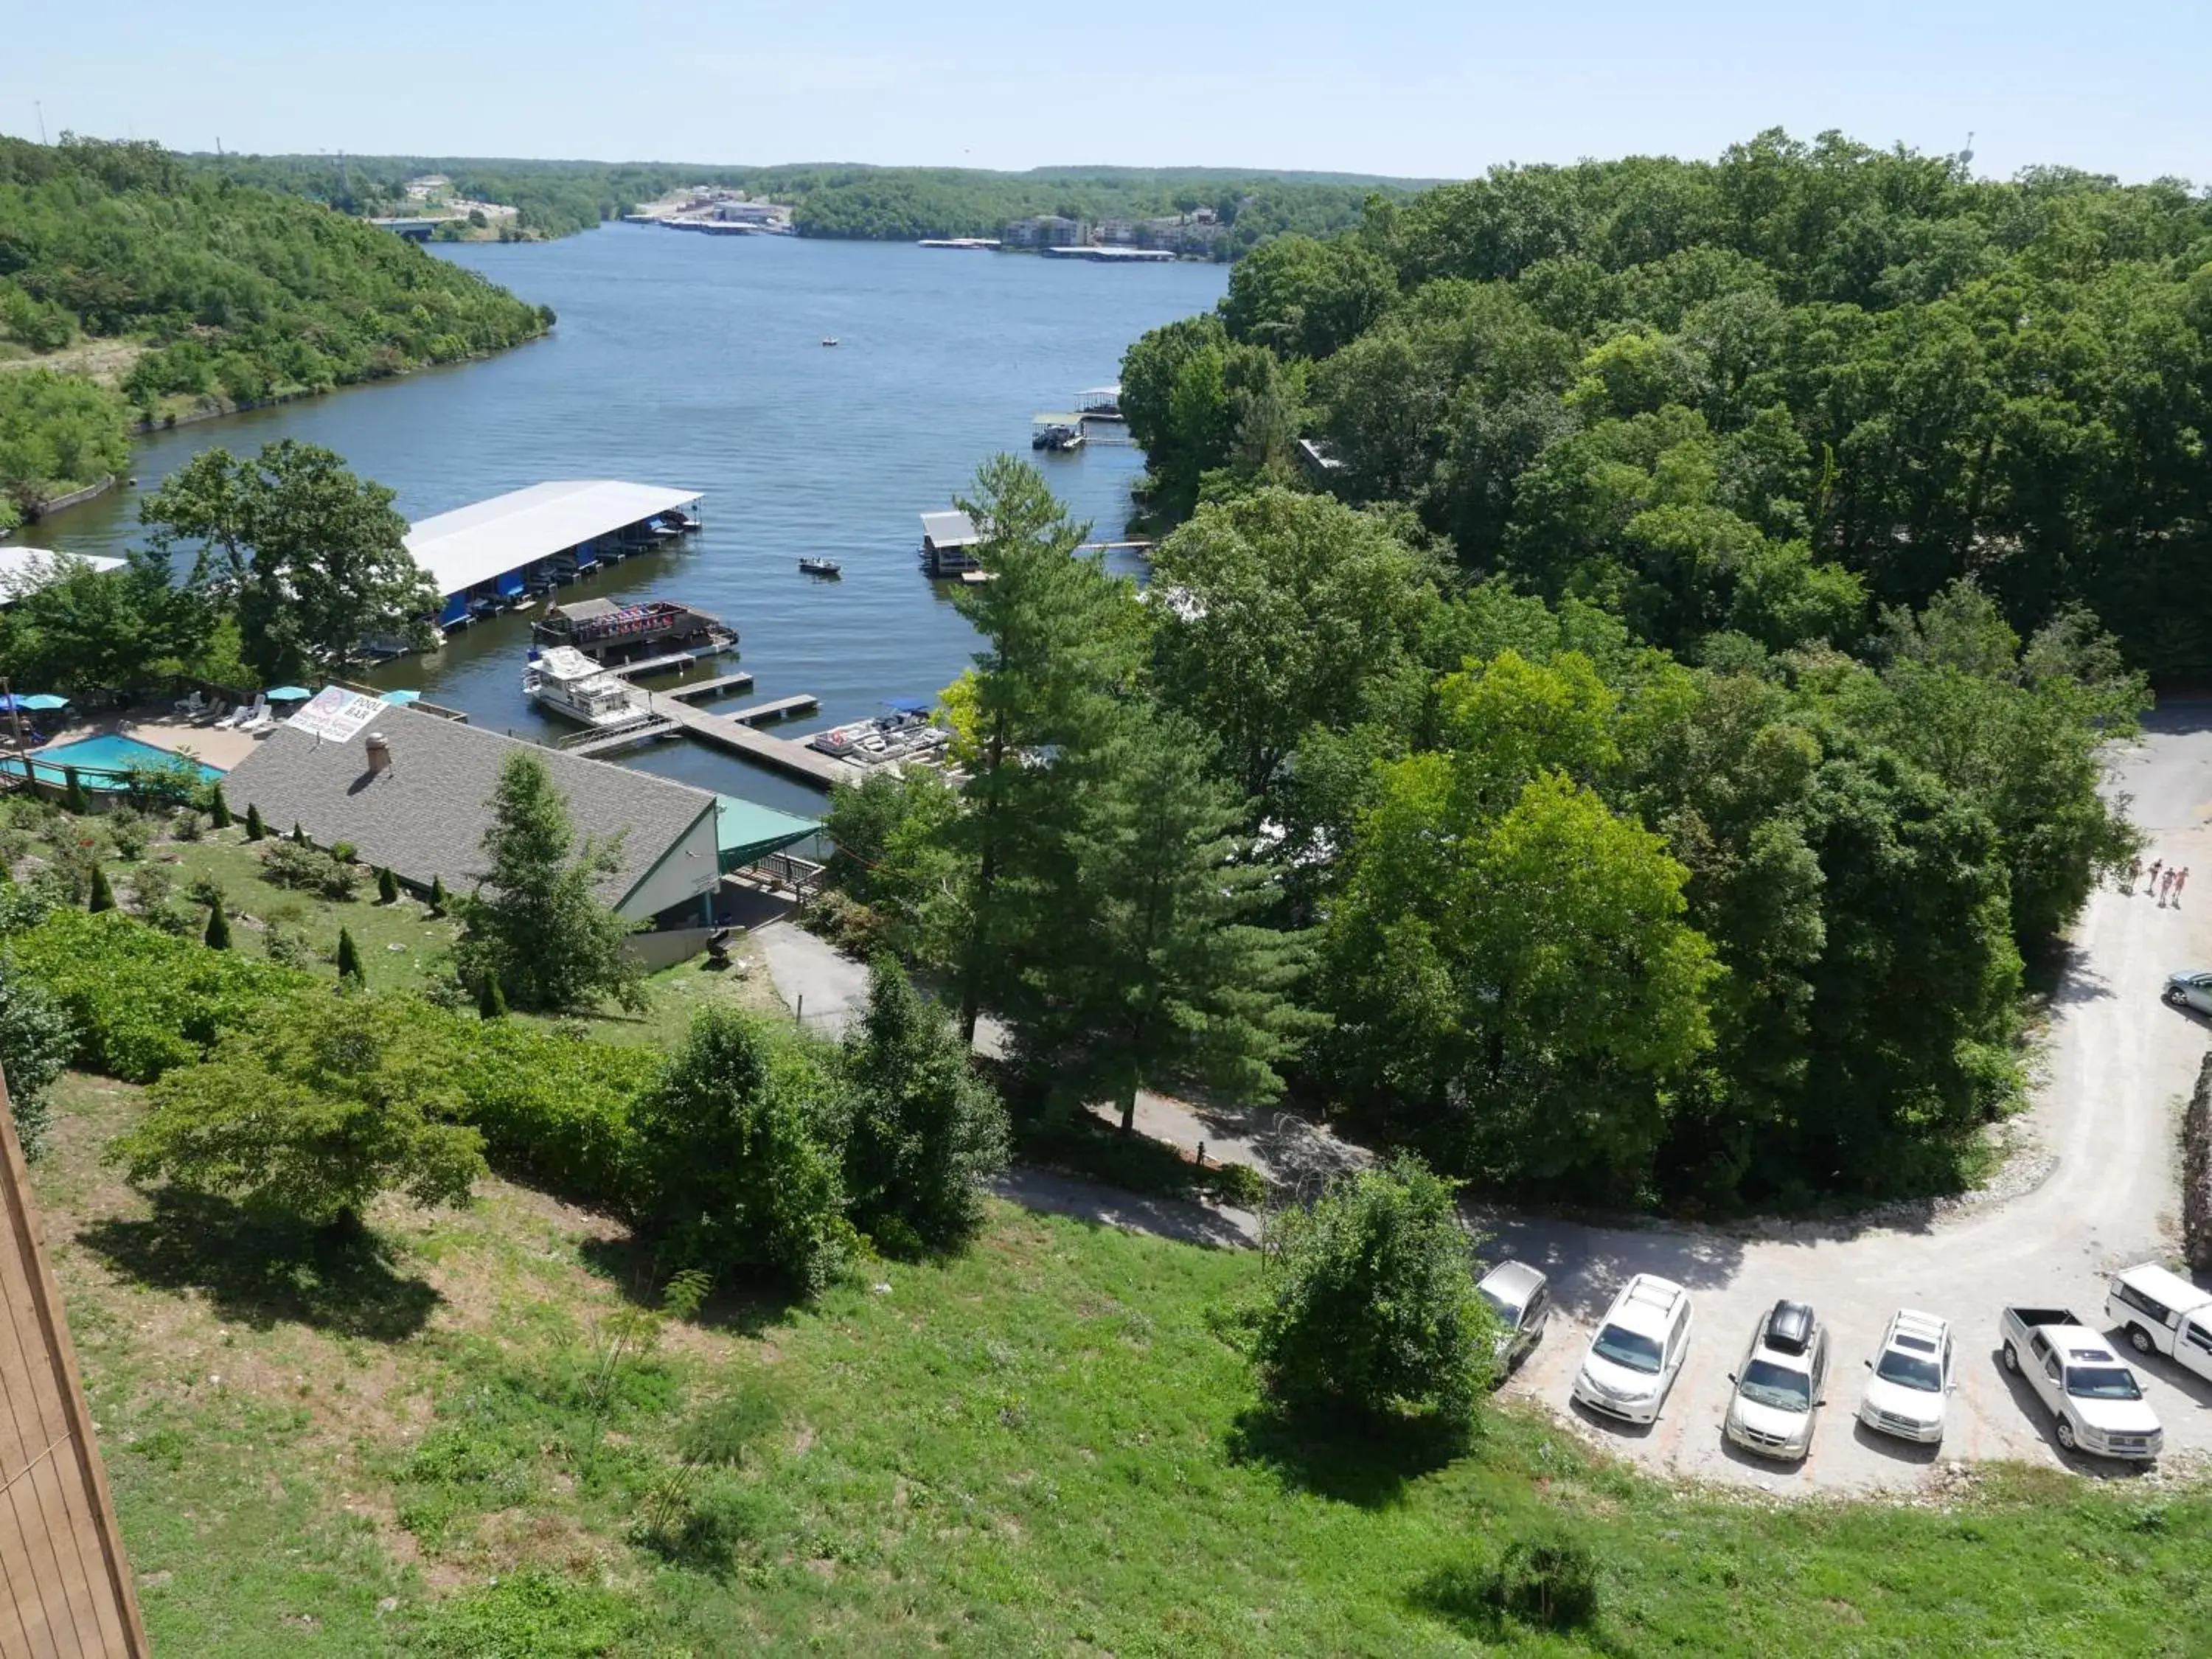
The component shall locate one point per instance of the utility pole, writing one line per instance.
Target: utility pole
(41, 108)
(15, 718)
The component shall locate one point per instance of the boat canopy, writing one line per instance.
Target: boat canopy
(746, 832)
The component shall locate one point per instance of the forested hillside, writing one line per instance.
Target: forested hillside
(232, 292)
(1648, 750)
(1682, 388)
(556, 198)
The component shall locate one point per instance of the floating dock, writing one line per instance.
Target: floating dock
(792, 759)
(739, 681)
(778, 709)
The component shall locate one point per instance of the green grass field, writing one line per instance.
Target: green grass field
(1043, 1447)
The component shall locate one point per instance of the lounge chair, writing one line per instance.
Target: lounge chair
(262, 718)
(215, 713)
(195, 704)
(248, 716)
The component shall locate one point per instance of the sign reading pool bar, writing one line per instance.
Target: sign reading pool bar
(338, 713)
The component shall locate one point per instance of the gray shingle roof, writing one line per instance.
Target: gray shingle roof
(425, 815)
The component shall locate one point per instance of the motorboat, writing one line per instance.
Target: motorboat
(829, 339)
(904, 733)
(572, 685)
(821, 567)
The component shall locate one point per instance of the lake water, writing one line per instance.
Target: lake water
(697, 361)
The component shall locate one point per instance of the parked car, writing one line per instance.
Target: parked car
(2163, 1312)
(1521, 1297)
(1638, 1352)
(2190, 987)
(1913, 1378)
(1778, 1386)
(2095, 1402)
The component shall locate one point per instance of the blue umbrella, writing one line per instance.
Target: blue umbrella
(401, 697)
(44, 700)
(8, 702)
(288, 693)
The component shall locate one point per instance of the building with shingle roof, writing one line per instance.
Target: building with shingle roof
(424, 814)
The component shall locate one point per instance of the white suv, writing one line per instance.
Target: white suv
(1912, 1379)
(1638, 1350)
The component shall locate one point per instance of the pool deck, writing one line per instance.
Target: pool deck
(210, 745)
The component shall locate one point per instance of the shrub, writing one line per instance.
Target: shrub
(531, 1615)
(217, 937)
(438, 896)
(344, 852)
(1369, 1306)
(388, 887)
(1549, 1581)
(218, 808)
(73, 799)
(348, 957)
(740, 1155)
(187, 825)
(554, 1108)
(142, 1001)
(129, 832)
(78, 850)
(151, 886)
(204, 890)
(36, 1041)
(291, 864)
(1239, 1184)
(491, 1001)
(925, 1131)
(322, 1105)
(102, 896)
(255, 829)
(288, 946)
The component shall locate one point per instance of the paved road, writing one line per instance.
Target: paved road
(2107, 1106)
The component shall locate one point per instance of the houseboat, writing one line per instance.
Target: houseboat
(575, 688)
(613, 633)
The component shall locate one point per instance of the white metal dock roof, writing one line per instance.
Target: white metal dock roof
(27, 569)
(948, 530)
(474, 544)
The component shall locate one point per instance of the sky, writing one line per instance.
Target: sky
(1421, 88)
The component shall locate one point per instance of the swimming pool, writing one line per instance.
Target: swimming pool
(100, 762)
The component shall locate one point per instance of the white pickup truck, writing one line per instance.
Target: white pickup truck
(2163, 1312)
(2095, 1402)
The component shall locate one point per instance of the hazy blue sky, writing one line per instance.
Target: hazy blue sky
(1426, 88)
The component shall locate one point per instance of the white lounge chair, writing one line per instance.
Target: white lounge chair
(260, 720)
(248, 717)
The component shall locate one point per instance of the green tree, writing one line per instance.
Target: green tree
(439, 900)
(1061, 640)
(388, 887)
(255, 829)
(348, 959)
(1368, 1307)
(102, 896)
(106, 632)
(217, 936)
(491, 1001)
(312, 1114)
(311, 557)
(1172, 978)
(536, 923)
(1305, 298)
(37, 1040)
(926, 1130)
(739, 1150)
(218, 808)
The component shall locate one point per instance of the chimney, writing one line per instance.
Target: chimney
(380, 753)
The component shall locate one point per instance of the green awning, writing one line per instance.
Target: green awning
(746, 832)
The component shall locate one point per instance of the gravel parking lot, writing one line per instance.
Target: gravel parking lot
(2101, 1137)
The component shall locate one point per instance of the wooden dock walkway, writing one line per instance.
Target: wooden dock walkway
(793, 760)
(595, 743)
(761, 713)
(739, 681)
(673, 661)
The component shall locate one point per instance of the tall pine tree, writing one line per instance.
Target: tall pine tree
(1146, 968)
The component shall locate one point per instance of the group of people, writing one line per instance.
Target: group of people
(2167, 881)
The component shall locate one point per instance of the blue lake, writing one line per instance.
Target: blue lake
(697, 361)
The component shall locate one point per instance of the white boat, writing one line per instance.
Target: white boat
(572, 685)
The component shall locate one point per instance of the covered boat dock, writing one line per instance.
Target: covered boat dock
(486, 557)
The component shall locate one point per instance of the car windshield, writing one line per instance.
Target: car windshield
(2103, 1383)
(1508, 1312)
(1908, 1371)
(1636, 1351)
(1769, 1384)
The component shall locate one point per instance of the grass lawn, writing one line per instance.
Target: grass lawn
(1043, 1447)
(402, 947)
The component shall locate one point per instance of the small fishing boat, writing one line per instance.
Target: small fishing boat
(829, 339)
(821, 567)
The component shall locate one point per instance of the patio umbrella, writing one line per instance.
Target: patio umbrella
(43, 700)
(288, 693)
(401, 697)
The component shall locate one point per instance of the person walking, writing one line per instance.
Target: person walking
(2180, 881)
(2128, 881)
(2155, 863)
(2165, 889)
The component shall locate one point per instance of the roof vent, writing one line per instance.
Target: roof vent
(380, 753)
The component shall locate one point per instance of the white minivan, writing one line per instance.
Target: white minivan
(1638, 1352)
(2163, 1312)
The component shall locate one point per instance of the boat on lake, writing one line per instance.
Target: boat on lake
(572, 686)
(829, 339)
(613, 634)
(821, 567)
(904, 733)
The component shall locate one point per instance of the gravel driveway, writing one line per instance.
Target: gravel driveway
(2103, 1127)
(2093, 1190)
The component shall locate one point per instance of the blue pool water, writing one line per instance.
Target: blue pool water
(100, 761)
